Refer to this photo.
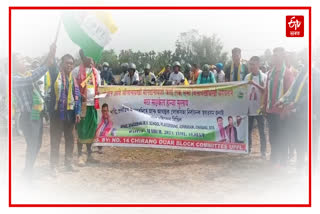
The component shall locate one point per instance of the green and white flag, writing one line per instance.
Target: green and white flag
(91, 30)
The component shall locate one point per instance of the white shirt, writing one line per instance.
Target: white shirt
(241, 133)
(129, 80)
(176, 78)
(254, 94)
(220, 77)
(124, 74)
(90, 88)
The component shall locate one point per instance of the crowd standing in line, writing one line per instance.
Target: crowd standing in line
(278, 94)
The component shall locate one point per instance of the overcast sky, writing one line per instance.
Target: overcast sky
(252, 31)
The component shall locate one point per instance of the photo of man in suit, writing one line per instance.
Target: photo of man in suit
(231, 131)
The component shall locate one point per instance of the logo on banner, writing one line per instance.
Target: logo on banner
(295, 26)
(240, 94)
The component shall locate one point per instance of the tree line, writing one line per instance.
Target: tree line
(190, 47)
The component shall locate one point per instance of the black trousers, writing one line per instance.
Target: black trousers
(57, 128)
(32, 131)
(277, 138)
(260, 122)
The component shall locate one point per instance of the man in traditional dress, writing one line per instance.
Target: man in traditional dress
(295, 105)
(88, 79)
(279, 80)
(257, 80)
(64, 108)
(238, 70)
(31, 105)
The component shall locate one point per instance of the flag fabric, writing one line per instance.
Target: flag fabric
(186, 82)
(91, 30)
(161, 72)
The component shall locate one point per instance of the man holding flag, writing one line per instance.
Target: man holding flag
(31, 105)
(88, 79)
(91, 30)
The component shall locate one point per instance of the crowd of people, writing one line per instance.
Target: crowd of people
(277, 94)
(177, 74)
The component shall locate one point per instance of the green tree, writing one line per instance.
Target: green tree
(109, 56)
(191, 47)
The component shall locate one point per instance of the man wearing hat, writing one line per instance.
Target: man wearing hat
(148, 78)
(106, 74)
(219, 73)
(124, 71)
(187, 71)
(206, 76)
(176, 77)
(132, 77)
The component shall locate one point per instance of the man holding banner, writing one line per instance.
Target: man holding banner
(279, 80)
(238, 70)
(64, 111)
(257, 81)
(294, 105)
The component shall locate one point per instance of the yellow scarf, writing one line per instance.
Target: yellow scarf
(300, 88)
(47, 82)
(240, 69)
(84, 83)
(58, 88)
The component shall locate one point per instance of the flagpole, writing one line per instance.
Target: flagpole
(58, 30)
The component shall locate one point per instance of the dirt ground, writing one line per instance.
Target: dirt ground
(143, 175)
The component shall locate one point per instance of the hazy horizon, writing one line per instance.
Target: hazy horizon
(158, 30)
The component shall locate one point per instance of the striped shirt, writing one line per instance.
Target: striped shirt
(287, 81)
(22, 88)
